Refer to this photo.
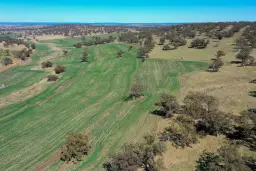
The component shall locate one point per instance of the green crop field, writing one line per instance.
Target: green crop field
(89, 97)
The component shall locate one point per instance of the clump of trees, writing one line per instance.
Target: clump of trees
(130, 48)
(24, 53)
(138, 156)
(161, 41)
(183, 134)
(7, 61)
(199, 43)
(244, 57)
(52, 78)
(47, 64)
(76, 147)
(226, 158)
(168, 106)
(245, 129)
(59, 69)
(217, 63)
(136, 91)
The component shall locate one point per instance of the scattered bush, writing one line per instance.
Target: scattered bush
(7, 61)
(52, 78)
(77, 146)
(130, 48)
(59, 69)
(47, 64)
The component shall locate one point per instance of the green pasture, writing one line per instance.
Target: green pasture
(89, 97)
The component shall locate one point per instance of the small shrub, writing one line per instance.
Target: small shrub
(136, 91)
(59, 69)
(47, 64)
(52, 78)
(84, 59)
(130, 48)
(7, 61)
(120, 53)
(78, 45)
(220, 53)
(76, 147)
(168, 47)
(65, 52)
(216, 65)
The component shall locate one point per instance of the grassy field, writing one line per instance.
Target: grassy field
(88, 98)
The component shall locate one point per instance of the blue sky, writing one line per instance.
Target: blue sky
(128, 11)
